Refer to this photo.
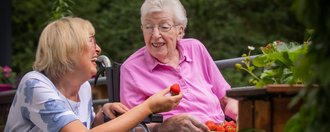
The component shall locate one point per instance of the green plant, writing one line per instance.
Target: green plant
(314, 113)
(278, 63)
(7, 76)
(61, 8)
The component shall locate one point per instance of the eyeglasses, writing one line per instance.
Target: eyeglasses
(92, 40)
(149, 28)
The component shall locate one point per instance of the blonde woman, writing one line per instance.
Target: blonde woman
(56, 95)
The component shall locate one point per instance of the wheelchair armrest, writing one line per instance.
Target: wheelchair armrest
(153, 118)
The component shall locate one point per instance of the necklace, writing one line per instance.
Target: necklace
(75, 110)
(77, 104)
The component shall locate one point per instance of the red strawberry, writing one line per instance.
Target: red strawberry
(233, 124)
(211, 125)
(230, 129)
(175, 89)
(220, 128)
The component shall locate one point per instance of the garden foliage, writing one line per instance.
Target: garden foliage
(226, 27)
(279, 64)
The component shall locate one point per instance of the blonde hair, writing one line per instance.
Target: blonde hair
(173, 6)
(60, 44)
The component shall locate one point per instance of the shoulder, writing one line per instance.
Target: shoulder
(33, 74)
(34, 77)
(192, 46)
(136, 57)
(191, 43)
(34, 84)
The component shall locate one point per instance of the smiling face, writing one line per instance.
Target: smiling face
(87, 60)
(67, 47)
(161, 35)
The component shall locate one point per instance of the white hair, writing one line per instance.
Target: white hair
(173, 6)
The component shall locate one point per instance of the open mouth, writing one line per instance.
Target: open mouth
(158, 44)
(94, 59)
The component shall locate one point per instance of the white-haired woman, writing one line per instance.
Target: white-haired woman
(56, 95)
(168, 58)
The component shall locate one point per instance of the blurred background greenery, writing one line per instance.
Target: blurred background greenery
(226, 27)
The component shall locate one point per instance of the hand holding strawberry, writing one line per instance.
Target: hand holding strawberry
(175, 89)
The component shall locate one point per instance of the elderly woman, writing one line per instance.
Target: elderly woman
(166, 59)
(56, 96)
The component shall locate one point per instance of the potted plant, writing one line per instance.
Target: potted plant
(277, 77)
(278, 64)
(7, 78)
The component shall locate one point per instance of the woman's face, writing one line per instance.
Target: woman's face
(161, 34)
(87, 61)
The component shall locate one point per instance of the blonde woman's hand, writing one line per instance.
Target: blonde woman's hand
(160, 102)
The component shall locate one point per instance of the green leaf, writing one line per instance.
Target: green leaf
(260, 84)
(260, 61)
(280, 57)
(251, 68)
(294, 124)
(281, 48)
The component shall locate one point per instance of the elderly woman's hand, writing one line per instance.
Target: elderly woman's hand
(231, 108)
(112, 110)
(182, 123)
(159, 102)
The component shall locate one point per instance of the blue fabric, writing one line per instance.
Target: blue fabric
(39, 106)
